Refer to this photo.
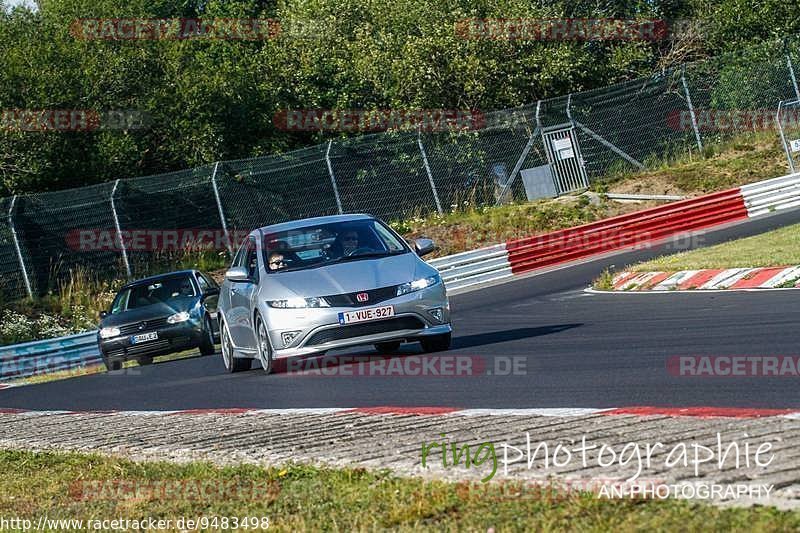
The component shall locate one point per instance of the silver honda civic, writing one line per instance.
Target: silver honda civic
(313, 285)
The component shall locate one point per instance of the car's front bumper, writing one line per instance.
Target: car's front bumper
(320, 330)
(171, 338)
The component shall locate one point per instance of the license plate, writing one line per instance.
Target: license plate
(365, 315)
(144, 337)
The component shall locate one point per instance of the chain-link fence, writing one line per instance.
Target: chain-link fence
(118, 229)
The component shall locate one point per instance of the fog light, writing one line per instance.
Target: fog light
(436, 313)
(287, 337)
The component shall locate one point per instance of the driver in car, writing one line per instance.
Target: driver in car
(349, 242)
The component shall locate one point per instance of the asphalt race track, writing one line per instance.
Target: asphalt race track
(578, 350)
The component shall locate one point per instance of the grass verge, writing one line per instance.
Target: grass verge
(780, 247)
(303, 498)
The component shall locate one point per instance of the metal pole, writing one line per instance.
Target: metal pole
(791, 73)
(120, 241)
(691, 108)
(219, 208)
(783, 138)
(609, 145)
(17, 247)
(517, 167)
(333, 178)
(430, 175)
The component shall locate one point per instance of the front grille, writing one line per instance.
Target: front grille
(368, 328)
(350, 300)
(150, 325)
(146, 348)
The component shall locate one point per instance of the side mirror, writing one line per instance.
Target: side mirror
(423, 246)
(103, 314)
(211, 291)
(237, 274)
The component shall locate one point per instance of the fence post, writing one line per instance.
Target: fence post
(120, 240)
(428, 170)
(791, 73)
(333, 178)
(691, 108)
(17, 247)
(219, 208)
(517, 167)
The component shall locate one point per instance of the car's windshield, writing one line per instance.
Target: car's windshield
(156, 291)
(325, 244)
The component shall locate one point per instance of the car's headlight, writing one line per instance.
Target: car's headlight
(298, 303)
(177, 318)
(418, 284)
(107, 333)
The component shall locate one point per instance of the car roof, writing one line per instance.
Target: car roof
(157, 277)
(301, 223)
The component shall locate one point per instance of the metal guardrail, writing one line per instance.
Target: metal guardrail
(772, 195)
(473, 267)
(51, 355)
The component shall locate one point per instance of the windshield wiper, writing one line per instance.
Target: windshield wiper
(364, 256)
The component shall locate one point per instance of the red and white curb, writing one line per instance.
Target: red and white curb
(709, 279)
(674, 412)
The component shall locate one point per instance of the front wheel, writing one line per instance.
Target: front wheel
(436, 343)
(207, 342)
(232, 364)
(264, 348)
(112, 363)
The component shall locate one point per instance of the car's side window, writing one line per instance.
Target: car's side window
(238, 259)
(209, 281)
(202, 282)
(252, 260)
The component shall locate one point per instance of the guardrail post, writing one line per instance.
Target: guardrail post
(691, 108)
(219, 208)
(428, 170)
(17, 247)
(120, 240)
(333, 178)
(791, 73)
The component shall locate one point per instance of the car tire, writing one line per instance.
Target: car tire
(112, 363)
(232, 364)
(388, 347)
(436, 343)
(263, 347)
(144, 360)
(207, 342)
